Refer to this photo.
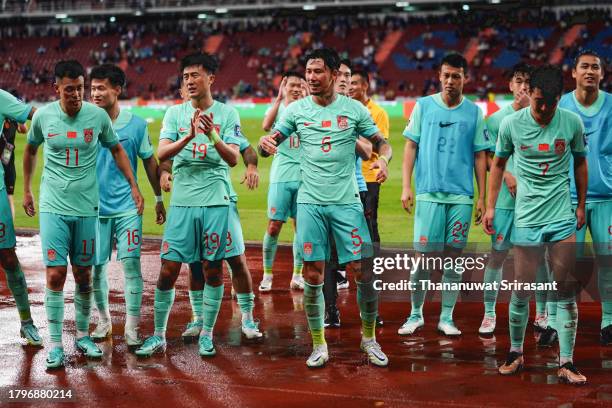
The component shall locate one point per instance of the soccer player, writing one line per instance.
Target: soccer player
(71, 131)
(504, 214)
(13, 109)
(198, 220)
(328, 125)
(541, 139)
(118, 217)
(284, 183)
(594, 107)
(446, 137)
(358, 89)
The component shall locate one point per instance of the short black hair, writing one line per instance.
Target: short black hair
(69, 69)
(520, 68)
(204, 59)
(549, 79)
(113, 73)
(363, 74)
(347, 62)
(586, 51)
(295, 74)
(455, 60)
(329, 56)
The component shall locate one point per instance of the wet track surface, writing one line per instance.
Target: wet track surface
(426, 369)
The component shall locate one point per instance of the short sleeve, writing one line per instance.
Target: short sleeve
(382, 121)
(108, 138)
(365, 125)
(231, 132)
(169, 128)
(286, 123)
(578, 143)
(35, 134)
(413, 127)
(504, 147)
(145, 150)
(244, 144)
(13, 108)
(482, 140)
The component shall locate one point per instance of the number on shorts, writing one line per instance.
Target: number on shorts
(326, 144)
(199, 149)
(133, 237)
(76, 156)
(93, 246)
(2, 229)
(294, 142)
(357, 240)
(544, 166)
(229, 241)
(211, 242)
(460, 231)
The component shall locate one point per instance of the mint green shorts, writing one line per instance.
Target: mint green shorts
(599, 223)
(345, 223)
(437, 225)
(126, 231)
(64, 236)
(541, 234)
(234, 243)
(194, 234)
(282, 200)
(7, 229)
(503, 224)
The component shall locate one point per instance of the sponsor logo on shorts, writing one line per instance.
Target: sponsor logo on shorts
(88, 134)
(423, 239)
(342, 122)
(51, 254)
(308, 248)
(165, 246)
(559, 146)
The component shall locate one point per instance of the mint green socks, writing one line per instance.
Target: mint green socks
(54, 306)
(16, 283)
(163, 303)
(314, 305)
(491, 275)
(213, 295)
(270, 245)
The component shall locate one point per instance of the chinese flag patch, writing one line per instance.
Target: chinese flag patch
(71, 134)
(326, 123)
(543, 147)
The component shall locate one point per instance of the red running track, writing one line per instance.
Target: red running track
(425, 370)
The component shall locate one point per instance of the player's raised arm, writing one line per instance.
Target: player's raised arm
(270, 117)
(167, 148)
(228, 152)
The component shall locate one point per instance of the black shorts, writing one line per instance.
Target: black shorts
(9, 176)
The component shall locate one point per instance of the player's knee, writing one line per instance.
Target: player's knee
(274, 228)
(8, 259)
(238, 265)
(497, 259)
(214, 278)
(313, 272)
(167, 275)
(56, 278)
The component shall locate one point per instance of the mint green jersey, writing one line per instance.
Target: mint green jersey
(286, 163)
(69, 185)
(541, 164)
(504, 201)
(198, 170)
(328, 135)
(11, 108)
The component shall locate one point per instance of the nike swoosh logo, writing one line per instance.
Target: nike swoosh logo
(132, 249)
(308, 123)
(86, 259)
(356, 252)
(50, 135)
(446, 124)
(525, 147)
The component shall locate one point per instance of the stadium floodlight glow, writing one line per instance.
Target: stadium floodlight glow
(309, 7)
(112, 19)
(466, 7)
(60, 16)
(138, 13)
(202, 16)
(402, 4)
(495, 1)
(221, 10)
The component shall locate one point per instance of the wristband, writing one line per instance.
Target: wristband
(159, 199)
(214, 137)
(384, 159)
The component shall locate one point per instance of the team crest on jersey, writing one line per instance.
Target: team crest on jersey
(165, 247)
(342, 122)
(88, 133)
(559, 146)
(308, 248)
(51, 255)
